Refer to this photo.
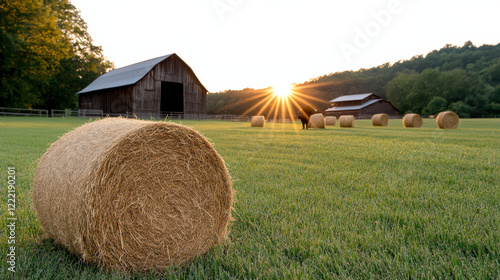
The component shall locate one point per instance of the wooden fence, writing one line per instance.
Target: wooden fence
(4, 111)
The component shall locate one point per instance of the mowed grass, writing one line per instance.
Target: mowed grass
(353, 203)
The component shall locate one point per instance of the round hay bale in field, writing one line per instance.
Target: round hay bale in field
(447, 120)
(412, 120)
(346, 121)
(317, 121)
(380, 120)
(330, 120)
(257, 121)
(133, 195)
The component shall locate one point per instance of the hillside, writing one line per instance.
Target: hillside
(464, 79)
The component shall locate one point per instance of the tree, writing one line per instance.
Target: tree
(455, 85)
(31, 48)
(427, 85)
(461, 109)
(84, 64)
(399, 88)
(493, 73)
(435, 106)
(46, 54)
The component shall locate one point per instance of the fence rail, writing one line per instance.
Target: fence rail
(369, 116)
(232, 118)
(88, 113)
(23, 112)
(63, 113)
(171, 115)
(85, 113)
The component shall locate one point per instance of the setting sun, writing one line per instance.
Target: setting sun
(282, 91)
(280, 102)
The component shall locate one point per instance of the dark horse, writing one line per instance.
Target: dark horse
(305, 114)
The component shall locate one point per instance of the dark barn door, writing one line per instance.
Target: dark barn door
(172, 97)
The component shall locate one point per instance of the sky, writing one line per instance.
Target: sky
(236, 44)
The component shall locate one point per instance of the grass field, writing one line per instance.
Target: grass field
(360, 203)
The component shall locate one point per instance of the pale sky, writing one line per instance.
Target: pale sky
(233, 44)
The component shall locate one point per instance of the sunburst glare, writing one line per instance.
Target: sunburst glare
(281, 102)
(283, 90)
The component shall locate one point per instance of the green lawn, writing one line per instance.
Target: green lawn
(354, 203)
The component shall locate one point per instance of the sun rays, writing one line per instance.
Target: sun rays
(279, 102)
(282, 91)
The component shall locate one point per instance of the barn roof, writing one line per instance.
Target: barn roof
(353, 97)
(353, 108)
(124, 76)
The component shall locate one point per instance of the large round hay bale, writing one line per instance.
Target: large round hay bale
(380, 120)
(412, 120)
(317, 121)
(346, 121)
(330, 120)
(257, 121)
(447, 120)
(133, 195)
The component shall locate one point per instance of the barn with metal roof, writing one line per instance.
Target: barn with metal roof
(156, 88)
(362, 106)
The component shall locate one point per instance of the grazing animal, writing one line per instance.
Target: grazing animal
(305, 114)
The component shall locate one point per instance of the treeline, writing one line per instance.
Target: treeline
(46, 54)
(464, 79)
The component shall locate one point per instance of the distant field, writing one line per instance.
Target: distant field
(355, 203)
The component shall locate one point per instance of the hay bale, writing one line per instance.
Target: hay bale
(257, 121)
(380, 120)
(447, 120)
(133, 195)
(412, 120)
(346, 121)
(317, 121)
(330, 120)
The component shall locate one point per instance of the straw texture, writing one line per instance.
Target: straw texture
(346, 121)
(380, 120)
(133, 195)
(317, 121)
(257, 121)
(330, 120)
(412, 120)
(447, 120)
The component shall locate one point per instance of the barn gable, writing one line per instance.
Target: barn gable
(354, 98)
(361, 106)
(124, 76)
(153, 88)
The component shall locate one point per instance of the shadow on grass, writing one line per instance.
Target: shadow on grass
(48, 260)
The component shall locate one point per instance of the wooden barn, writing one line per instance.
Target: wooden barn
(153, 88)
(362, 106)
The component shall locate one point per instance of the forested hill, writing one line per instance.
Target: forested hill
(464, 79)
